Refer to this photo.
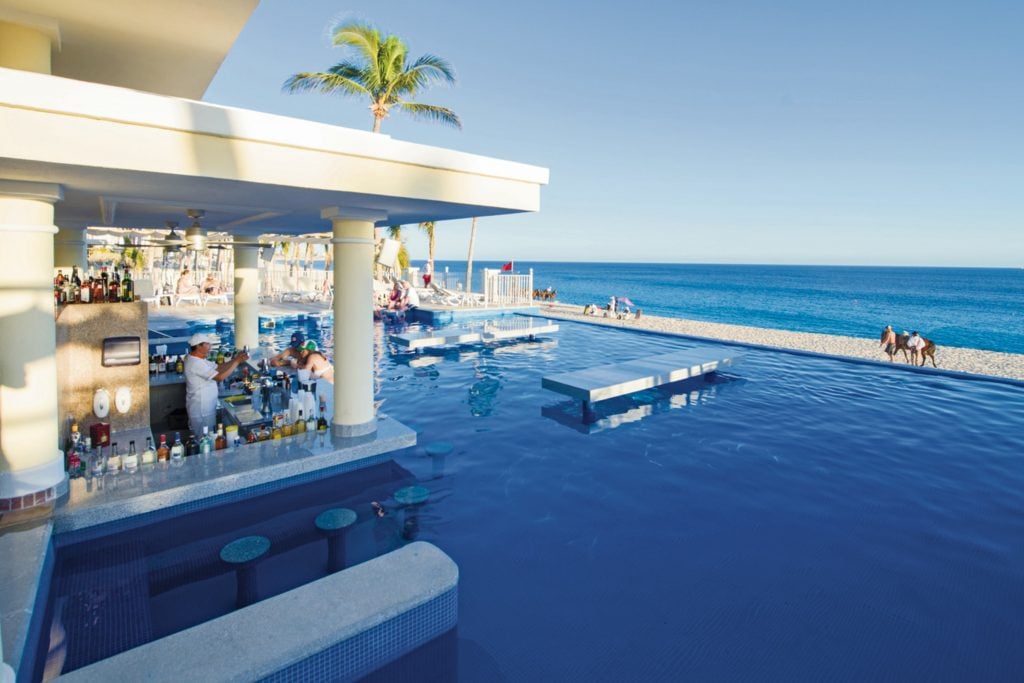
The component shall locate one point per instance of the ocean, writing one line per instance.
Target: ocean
(981, 308)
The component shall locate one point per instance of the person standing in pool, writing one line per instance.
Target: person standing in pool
(888, 341)
(311, 359)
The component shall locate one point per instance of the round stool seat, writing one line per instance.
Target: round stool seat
(335, 519)
(245, 550)
(439, 448)
(412, 495)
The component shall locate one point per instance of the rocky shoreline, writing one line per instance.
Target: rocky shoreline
(974, 361)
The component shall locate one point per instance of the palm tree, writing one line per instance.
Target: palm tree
(428, 229)
(381, 72)
(469, 261)
(395, 233)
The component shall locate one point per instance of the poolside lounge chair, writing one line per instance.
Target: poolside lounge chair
(450, 298)
(145, 291)
(193, 297)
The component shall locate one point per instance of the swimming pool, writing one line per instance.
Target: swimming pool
(799, 518)
(793, 518)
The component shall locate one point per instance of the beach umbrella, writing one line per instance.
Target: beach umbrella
(624, 300)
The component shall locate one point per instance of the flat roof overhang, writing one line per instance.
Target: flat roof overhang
(134, 159)
(172, 48)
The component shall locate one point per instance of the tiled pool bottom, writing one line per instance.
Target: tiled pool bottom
(797, 518)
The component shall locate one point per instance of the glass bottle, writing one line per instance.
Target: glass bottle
(149, 455)
(191, 446)
(127, 287)
(300, 424)
(97, 462)
(311, 422)
(85, 468)
(114, 459)
(206, 443)
(321, 423)
(163, 453)
(178, 449)
(85, 291)
(131, 460)
(179, 366)
(221, 442)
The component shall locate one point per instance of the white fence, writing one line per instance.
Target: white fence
(507, 289)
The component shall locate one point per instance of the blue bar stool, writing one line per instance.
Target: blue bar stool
(332, 524)
(242, 554)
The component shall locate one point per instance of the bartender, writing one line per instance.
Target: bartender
(291, 354)
(201, 377)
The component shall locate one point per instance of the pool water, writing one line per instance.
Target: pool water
(791, 518)
(794, 518)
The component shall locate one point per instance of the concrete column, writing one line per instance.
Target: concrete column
(353, 320)
(26, 41)
(70, 249)
(247, 293)
(30, 458)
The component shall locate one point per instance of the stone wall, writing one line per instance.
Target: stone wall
(81, 330)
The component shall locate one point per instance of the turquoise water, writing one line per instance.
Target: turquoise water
(968, 307)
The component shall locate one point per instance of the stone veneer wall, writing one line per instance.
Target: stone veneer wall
(81, 330)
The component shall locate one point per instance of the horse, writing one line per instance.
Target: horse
(544, 294)
(927, 351)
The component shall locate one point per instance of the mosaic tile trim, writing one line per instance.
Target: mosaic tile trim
(65, 538)
(366, 652)
(29, 500)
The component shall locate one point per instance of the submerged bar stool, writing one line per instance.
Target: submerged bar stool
(438, 451)
(242, 554)
(411, 498)
(332, 524)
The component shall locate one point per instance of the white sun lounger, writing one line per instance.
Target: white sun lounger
(608, 381)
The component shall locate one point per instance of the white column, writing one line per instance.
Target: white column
(353, 319)
(30, 459)
(26, 42)
(247, 293)
(70, 249)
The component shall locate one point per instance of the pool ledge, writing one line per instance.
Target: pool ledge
(341, 627)
(159, 491)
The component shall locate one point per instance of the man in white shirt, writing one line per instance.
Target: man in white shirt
(201, 377)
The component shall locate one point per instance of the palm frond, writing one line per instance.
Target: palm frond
(430, 112)
(327, 83)
(364, 38)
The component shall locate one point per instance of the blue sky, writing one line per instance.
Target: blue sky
(703, 132)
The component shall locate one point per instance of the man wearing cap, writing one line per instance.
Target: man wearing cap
(293, 351)
(201, 377)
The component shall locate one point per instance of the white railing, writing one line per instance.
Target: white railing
(507, 289)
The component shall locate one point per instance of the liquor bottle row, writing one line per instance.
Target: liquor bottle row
(282, 426)
(164, 363)
(83, 459)
(104, 288)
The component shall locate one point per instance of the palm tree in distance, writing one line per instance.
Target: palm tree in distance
(395, 233)
(381, 72)
(428, 229)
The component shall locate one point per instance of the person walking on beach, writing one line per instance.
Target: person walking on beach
(915, 344)
(889, 342)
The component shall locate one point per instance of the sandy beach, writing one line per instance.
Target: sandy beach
(956, 359)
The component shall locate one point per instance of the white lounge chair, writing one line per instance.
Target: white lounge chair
(145, 291)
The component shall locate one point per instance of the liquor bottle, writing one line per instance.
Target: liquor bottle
(98, 463)
(73, 459)
(131, 460)
(84, 469)
(180, 365)
(300, 424)
(311, 423)
(114, 289)
(85, 293)
(321, 423)
(221, 442)
(59, 280)
(114, 459)
(152, 365)
(206, 443)
(149, 455)
(220, 357)
(127, 287)
(191, 446)
(163, 453)
(178, 449)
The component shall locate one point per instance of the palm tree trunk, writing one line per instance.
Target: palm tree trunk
(469, 261)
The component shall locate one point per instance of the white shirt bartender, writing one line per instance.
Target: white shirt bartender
(201, 377)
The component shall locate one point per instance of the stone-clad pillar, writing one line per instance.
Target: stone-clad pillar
(353, 319)
(31, 463)
(247, 293)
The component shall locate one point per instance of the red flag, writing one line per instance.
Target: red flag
(507, 267)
